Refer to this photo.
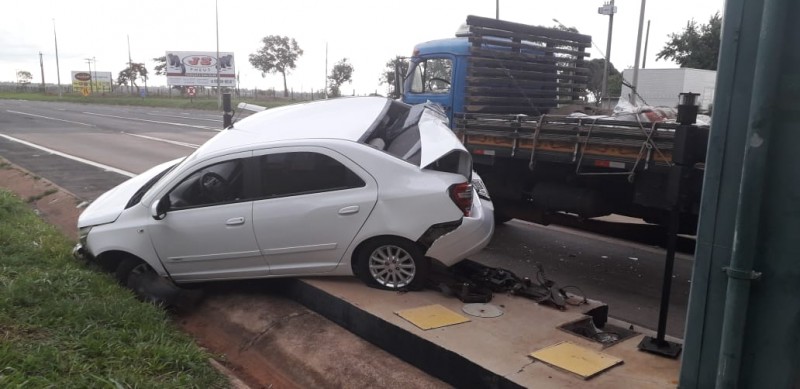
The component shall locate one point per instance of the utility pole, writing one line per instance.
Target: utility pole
(41, 66)
(216, 16)
(636, 61)
(607, 9)
(91, 77)
(497, 9)
(326, 70)
(130, 66)
(58, 69)
(646, 40)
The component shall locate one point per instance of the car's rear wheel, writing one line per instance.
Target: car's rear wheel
(392, 264)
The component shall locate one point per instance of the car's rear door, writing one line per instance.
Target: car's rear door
(312, 201)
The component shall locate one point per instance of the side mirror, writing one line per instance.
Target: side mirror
(159, 208)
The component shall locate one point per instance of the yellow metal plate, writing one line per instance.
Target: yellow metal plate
(584, 362)
(431, 316)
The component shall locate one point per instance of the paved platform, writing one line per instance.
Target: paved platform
(484, 352)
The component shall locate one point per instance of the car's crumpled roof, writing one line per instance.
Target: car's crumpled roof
(341, 118)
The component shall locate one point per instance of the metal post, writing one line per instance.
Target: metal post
(130, 65)
(216, 18)
(58, 69)
(636, 61)
(227, 110)
(41, 66)
(646, 40)
(604, 93)
(497, 9)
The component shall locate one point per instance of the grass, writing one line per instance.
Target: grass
(63, 325)
(177, 101)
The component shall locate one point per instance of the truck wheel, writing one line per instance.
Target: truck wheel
(392, 264)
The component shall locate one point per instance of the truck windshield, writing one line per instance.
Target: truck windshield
(432, 75)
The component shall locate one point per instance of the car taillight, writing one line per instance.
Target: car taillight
(461, 194)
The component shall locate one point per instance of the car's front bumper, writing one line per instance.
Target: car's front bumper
(81, 253)
(472, 236)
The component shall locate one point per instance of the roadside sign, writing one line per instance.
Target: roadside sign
(190, 91)
(85, 91)
(607, 9)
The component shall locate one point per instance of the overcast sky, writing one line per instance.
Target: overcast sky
(366, 32)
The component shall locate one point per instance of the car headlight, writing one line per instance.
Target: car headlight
(83, 232)
(480, 187)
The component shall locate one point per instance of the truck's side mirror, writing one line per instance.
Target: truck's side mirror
(159, 208)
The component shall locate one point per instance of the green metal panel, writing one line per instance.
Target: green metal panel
(720, 192)
(769, 193)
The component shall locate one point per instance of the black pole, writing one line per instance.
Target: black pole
(666, 283)
(227, 110)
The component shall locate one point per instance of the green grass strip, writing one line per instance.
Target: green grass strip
(177, 101)
(64, 325)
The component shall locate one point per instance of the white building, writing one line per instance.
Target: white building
(660, 87)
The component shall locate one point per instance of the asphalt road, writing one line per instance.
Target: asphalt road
(98, 146)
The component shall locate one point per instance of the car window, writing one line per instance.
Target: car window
(286, 174)
(215, 184)
(432, 76)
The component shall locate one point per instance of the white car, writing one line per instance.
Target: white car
(366, 186)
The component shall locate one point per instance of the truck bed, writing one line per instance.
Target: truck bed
(586, 143)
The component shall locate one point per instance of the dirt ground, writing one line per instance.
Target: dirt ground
(247, 328)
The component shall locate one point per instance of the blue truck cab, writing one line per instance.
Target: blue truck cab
(437, 73)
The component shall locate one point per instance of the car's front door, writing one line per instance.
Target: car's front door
(312, 203)
(207, 233)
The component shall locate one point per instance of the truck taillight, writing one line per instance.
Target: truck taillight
(461, 194)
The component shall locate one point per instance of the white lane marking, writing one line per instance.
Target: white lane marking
(155, 121)
(49, 118)
(172, 142)
(184, 117)
(72, 157)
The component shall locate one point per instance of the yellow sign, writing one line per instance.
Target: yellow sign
(85, 91)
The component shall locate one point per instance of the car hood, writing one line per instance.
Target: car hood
(107, 208)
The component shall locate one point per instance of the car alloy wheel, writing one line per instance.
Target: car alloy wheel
(392, 267)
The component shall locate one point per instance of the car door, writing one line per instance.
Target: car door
(312, 203)
(207, 233)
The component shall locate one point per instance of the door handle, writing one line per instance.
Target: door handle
(236, 221)
(349, 210)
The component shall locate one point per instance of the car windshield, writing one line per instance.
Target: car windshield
(137, 197)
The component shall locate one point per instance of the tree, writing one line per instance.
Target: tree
(161, 65)
(595, 84)
(279, 55)
(388, 76)
(342, 72)
(24, 77)
(130, 74)
(696, 47)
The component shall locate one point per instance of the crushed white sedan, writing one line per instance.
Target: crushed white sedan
(365, 186)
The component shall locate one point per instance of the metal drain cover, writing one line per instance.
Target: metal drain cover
(482, 310)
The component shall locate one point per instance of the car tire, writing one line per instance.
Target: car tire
(148, 286)
(125, 268)
(392, 264)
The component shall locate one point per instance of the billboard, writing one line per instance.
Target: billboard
(85, 82)
(199, 68)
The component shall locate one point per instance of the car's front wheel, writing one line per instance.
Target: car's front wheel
(392, 264)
